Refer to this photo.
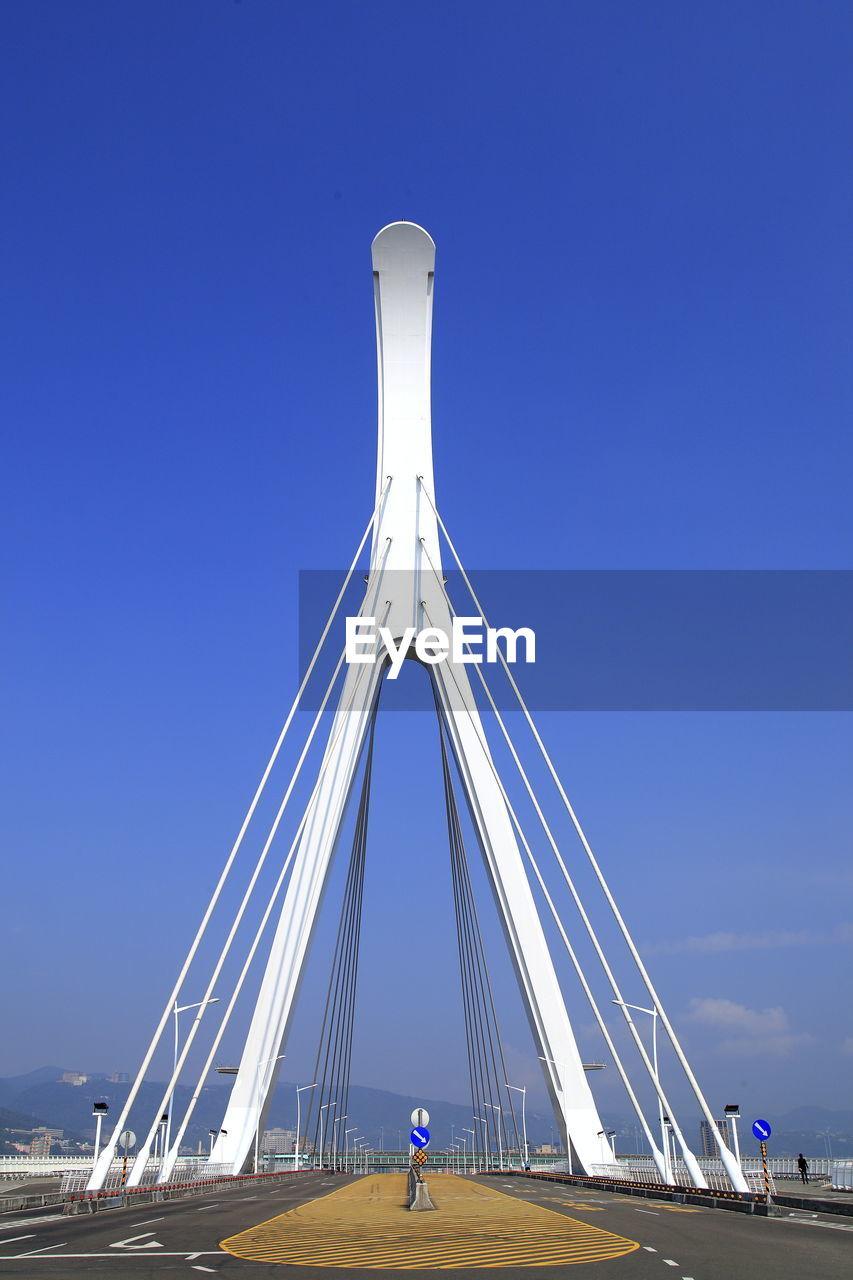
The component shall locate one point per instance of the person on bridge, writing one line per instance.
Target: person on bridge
(803, 1166)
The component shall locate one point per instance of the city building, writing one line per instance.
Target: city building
(278, 1142)
(73, 1077)
(710, 1150)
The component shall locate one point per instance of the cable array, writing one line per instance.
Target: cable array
(335, 1044)
(486, 1067)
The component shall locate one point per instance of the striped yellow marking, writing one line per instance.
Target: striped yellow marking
(367, 1224)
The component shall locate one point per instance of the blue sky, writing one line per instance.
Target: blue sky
(640, 361)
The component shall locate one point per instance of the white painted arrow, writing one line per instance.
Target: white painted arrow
(128, 1243)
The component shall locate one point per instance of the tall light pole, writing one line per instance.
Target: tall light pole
(99, 1110)
(265, 1062)
(335, 1147)
(732, 1112)
(324, 1107)
(486, 1153)
(347, 1132)
(498, 1122)
(522, 1089)
(473, 1134)
(182, 1008)
(299, 1089)
(653, 1014)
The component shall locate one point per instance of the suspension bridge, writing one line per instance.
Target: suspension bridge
(342, 1204)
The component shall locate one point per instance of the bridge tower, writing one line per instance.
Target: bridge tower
(405, 589)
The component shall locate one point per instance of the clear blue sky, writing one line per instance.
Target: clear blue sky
(641, 360)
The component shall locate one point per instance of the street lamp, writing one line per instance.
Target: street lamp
(486, 1153)
(522, 1089)
(325, 1106)
(473, 1148)
(182, 1008)
(99, 1110)
(161, 1137)
(265, 1062)
(496, 1108)
(608, 1133)
(347, 1132)
(732, 1112)
(335, 1147)
(653, 1014)
(299, 1089)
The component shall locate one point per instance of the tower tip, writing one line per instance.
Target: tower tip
(403, 242)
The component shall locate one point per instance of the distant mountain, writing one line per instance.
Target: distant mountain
(11, 1086)
(382, 1117)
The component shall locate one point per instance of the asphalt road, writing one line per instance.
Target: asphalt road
(182, 1237)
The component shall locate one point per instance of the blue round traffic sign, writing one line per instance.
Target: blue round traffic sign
(419, 1137)
(762, 1130)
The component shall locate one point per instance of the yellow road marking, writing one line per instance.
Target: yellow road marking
(367, 1224)
(579, 1204)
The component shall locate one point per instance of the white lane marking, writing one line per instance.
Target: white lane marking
(653, 1212)
(147, 1222)
(128, 1243)
(12, 1239)
(29, 1222)
(807, 1222)
(208, 1206)
(42, 1250)
(114, 1257)
(648, 1248)
(668, 1262)
(203, 1268)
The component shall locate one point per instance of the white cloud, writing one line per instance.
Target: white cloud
(747, 1032)
(768, 940)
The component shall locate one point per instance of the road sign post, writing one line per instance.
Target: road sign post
(761, 1129)
(419, 1137)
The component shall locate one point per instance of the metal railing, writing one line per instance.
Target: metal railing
(645, 1171)
(187, 1169)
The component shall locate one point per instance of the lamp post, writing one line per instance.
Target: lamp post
(265, 1062)
(325, 1106)
(347, 1132)
(99, 1110)
(653, 1014)
(473, 1148)
(493, 1107)
(481, 1120)
(335, 1147)
(609, 1134)
(299, 1089)
(182, 1008)
(162, 1127)
(732, 1112)
(522, 1089)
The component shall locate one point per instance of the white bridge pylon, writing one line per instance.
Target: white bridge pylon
(402, 581)
(405, 589)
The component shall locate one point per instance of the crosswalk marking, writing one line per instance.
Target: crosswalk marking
(368, 1225)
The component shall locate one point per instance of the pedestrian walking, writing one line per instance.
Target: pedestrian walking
(803, 1166)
